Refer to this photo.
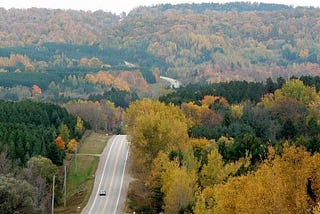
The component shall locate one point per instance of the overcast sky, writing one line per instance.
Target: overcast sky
(118, 6)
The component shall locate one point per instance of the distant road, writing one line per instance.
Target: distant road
(110, 176)
(173, 82)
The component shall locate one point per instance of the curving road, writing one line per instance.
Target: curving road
(110, 176)
(173, 82)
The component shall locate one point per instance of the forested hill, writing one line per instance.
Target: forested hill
(191, 42)
(20, 27)
(236, 6)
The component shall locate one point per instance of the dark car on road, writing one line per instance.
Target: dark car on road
(102, 192)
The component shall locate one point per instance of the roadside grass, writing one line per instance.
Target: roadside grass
(80, 178)
(94, 144)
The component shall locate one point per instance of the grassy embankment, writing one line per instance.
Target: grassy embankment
(80, 178)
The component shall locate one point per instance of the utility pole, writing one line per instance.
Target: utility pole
(75, 159)
(65, 185)
(52, 202)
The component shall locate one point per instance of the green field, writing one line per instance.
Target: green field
(80, 178)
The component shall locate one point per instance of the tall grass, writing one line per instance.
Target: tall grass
(80, 178)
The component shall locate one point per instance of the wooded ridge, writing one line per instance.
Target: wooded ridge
(191, 42)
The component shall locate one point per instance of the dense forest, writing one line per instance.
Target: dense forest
(34, 139)
(82, 53)
(212, 153)
(242, 134)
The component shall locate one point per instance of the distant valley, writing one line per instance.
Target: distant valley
(198, 43)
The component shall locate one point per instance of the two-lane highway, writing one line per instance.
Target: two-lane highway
(111, 177)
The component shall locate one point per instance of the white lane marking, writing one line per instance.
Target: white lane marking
(104, 168)
(123, 171)
(113, 173)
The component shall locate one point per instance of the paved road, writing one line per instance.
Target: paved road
(110, 176)
(173, 82)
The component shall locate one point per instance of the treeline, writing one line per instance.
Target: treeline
(120, 98)
(234, 91)
(34, 139)
(70, 58)
(28, 190)
(29, 128)
(36, 26)
(62, 87)
(215, 46)
(66, 71)
(102, 115)
(211, 155)
(205, 43)
(236, 6)
(43, 80)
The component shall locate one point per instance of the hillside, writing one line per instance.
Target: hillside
(213, 46)
(203, 43)
(233, 147)
(232, 140)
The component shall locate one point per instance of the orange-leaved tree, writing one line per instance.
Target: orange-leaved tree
(72, 145)
(36, 90)
(60, 143)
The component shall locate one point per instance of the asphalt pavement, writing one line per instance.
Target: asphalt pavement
(111, 177)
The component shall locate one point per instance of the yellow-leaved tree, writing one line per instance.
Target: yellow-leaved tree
(286, 183)
(72, 145)
(154, 127)
(159, 135)
(79, 127)
(202, 115)
(236, 111)
(292, 89)
(216, 171)
(178, 186)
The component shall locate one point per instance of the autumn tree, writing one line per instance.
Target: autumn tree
(216, 171)
(36, 90)
(316, 209)
(79, 128)
(284, 183)
(178, 187)
(101, 115)
(64, 132)
(201, 148)
(192, 111)
(293, 105)
(72, 145)
(60, 143)
(112, 115)
(236, 111)
(154, 181)
(314, 113)
(294, 89)
(215, 103)
(153, 127)
(201, 115)
(89, 111)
